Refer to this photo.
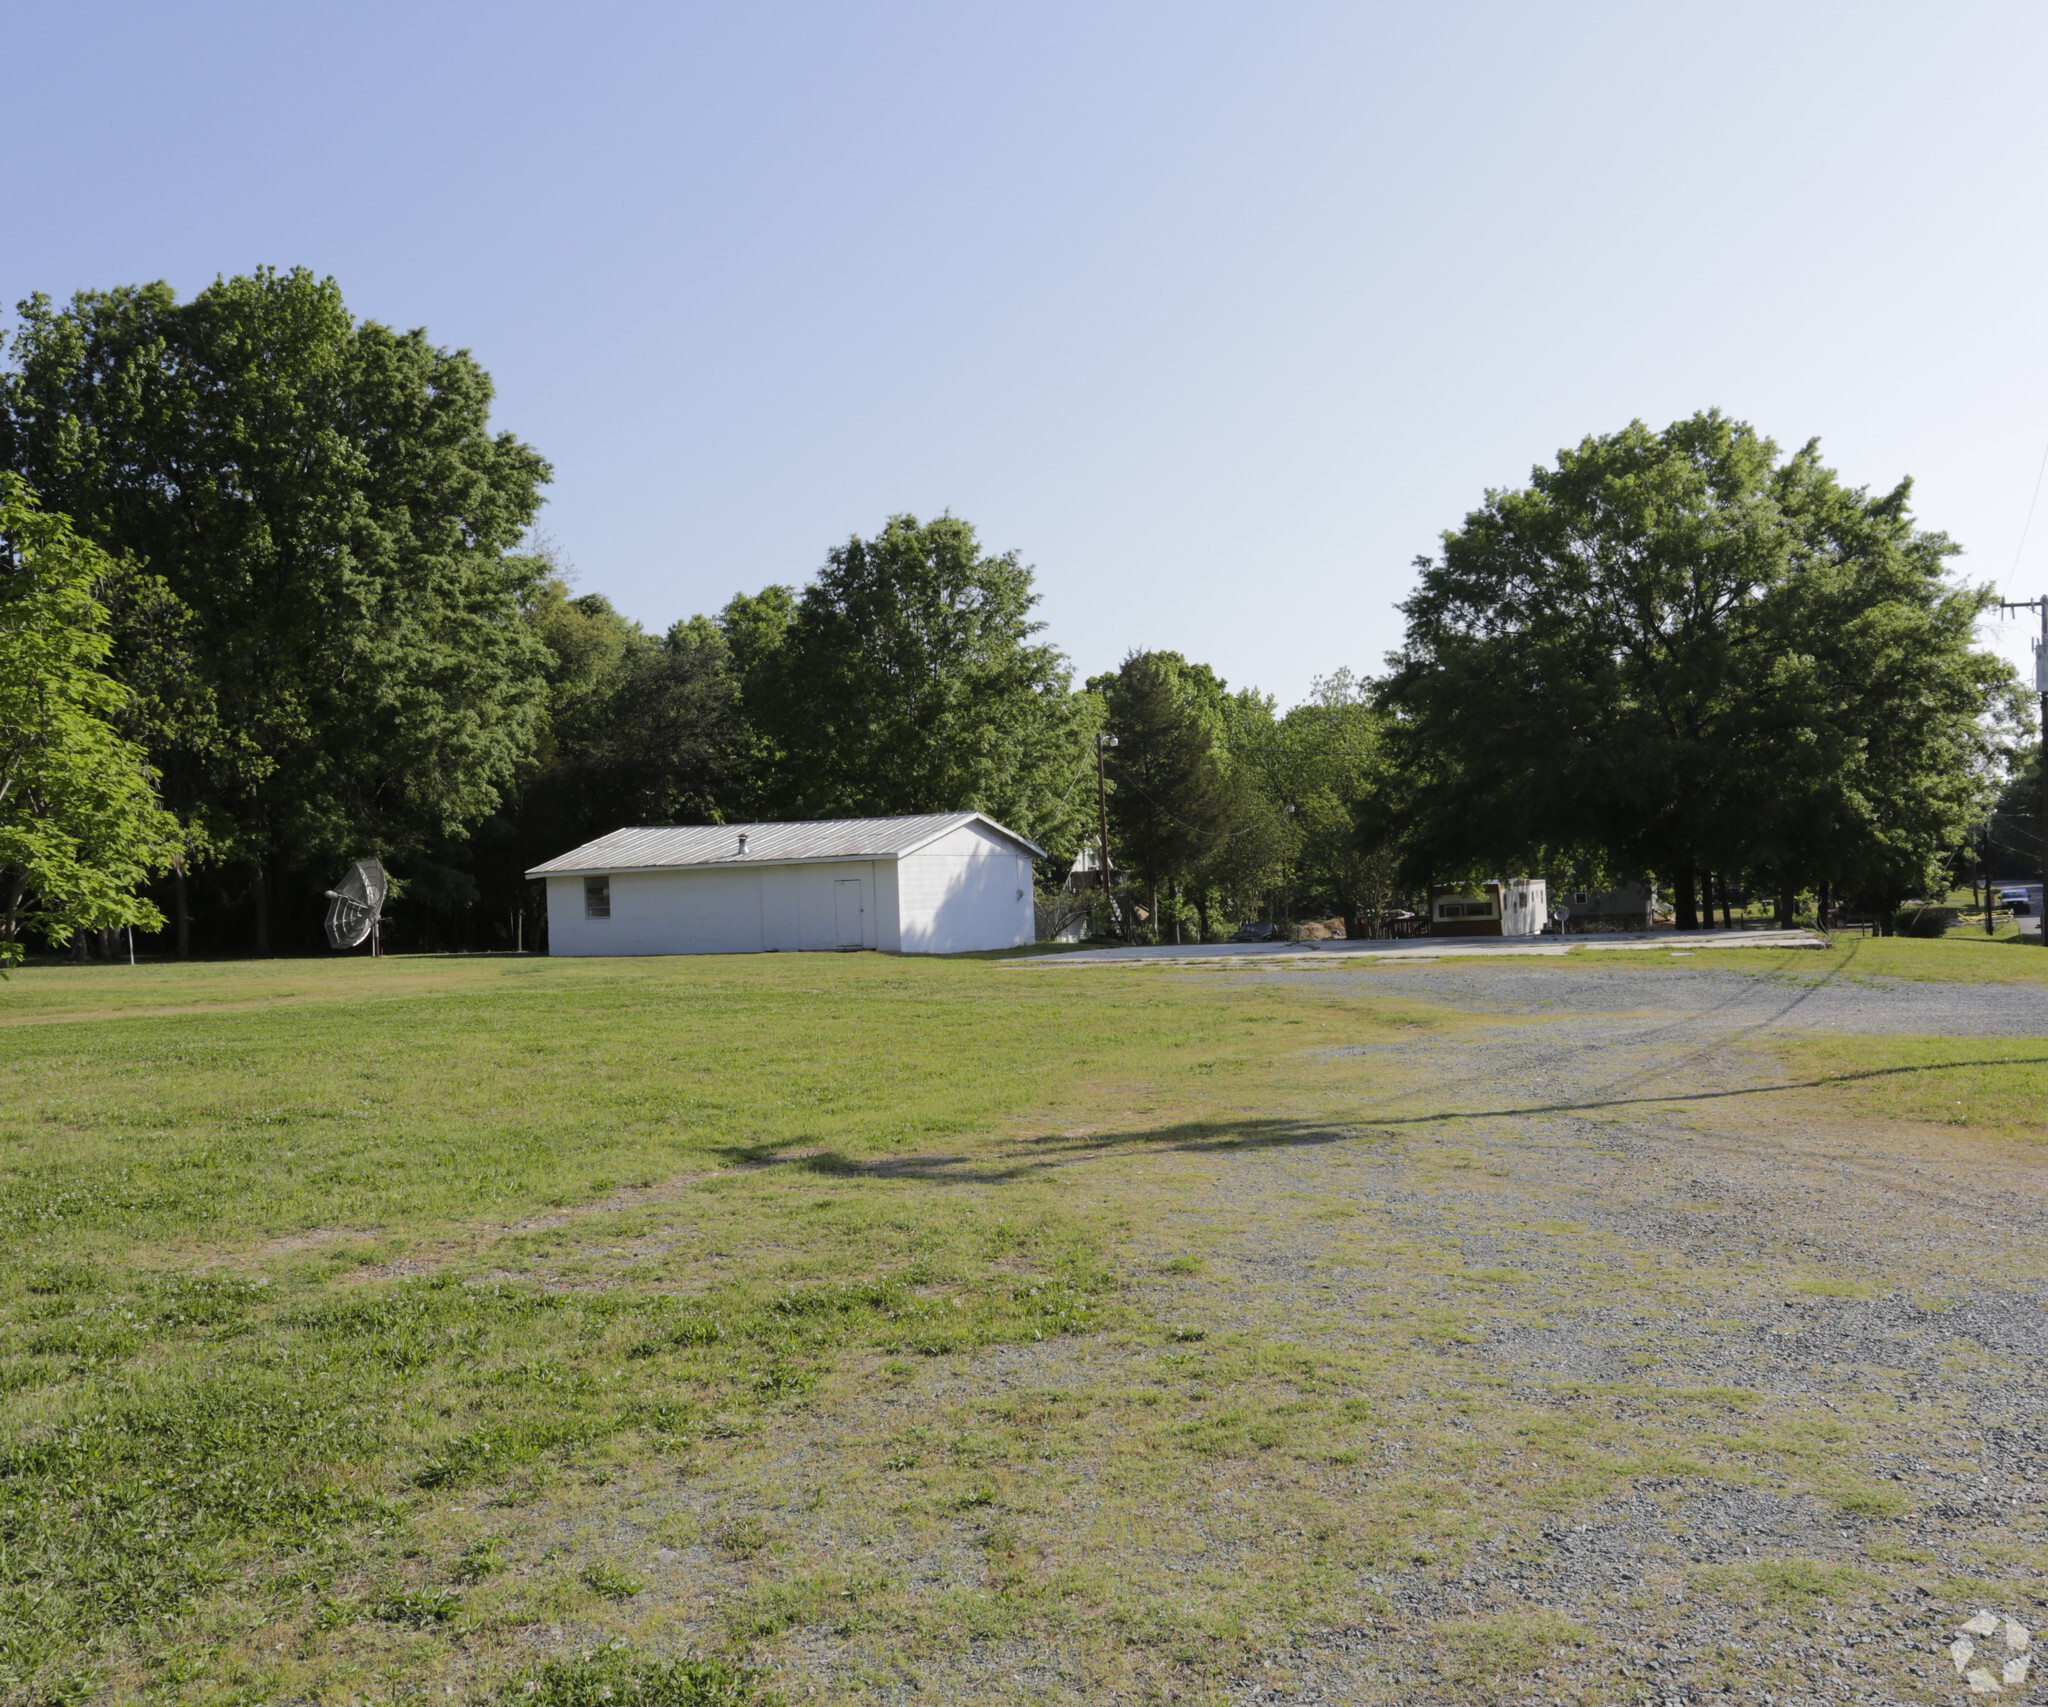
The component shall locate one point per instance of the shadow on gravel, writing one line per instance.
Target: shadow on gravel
(1059, 1150)
(1704, 1096)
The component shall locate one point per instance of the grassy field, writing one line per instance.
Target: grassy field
(414, 1329)
(297, 1260)
(1996, 1084)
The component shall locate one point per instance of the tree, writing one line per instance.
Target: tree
(80, 824)
(905, 679)
(2013, 837)
(1677, 652)
(1171, 800)
(325, 497)
(1256, 832)
(641, 729)
(755, 627)
(1330, 756)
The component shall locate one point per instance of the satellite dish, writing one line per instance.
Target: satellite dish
(355, 906)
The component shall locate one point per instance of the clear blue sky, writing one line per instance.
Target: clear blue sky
(1217, 315)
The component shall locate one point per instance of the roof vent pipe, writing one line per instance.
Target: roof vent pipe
(743, 841)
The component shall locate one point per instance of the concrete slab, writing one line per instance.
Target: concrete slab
(1425, 948)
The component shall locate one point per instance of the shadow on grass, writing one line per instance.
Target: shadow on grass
(1200, 1136)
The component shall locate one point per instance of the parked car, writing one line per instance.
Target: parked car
(1258, 931)
(2021, 903)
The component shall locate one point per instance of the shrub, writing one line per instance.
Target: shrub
(1924, 921)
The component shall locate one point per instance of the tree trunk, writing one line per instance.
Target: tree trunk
(1158, 935)
(1685, 899)
(1785, 905)
(260, 893)
(181, 908)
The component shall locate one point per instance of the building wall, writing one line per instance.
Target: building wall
(722, 910)
(1632, 906)
(1524, 907)
(961, 893)
(1519, 908)
(970, 889)
(888, 907)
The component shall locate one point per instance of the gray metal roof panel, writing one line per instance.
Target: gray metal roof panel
(665, 847)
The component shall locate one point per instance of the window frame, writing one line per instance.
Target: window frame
(597, 897)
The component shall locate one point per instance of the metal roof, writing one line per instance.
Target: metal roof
(663, 847)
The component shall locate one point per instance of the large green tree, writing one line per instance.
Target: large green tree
(81, 828)
(908, 678)
(642, 729)
(1682, 651)
(1174, 798)
(1328, 755)
(325, 497)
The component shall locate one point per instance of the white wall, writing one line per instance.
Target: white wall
(969, 889)
(722, 910)
(1524, 907)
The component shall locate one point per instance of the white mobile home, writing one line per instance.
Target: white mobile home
(939, 884)
(1517, 908)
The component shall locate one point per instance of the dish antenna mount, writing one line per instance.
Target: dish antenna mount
(355, 906)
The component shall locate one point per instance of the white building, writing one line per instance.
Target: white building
(938, 884)
(1517, 908)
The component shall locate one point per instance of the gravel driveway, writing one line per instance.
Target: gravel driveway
(1893, 1279)
(1566, 1356)
(1714, 999)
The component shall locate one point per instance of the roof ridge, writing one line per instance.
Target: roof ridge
(657, 847)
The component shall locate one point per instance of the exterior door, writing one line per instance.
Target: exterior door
(850, 908)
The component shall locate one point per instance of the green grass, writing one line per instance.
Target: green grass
(1788, 1584)
(291, 1256)
(1995, 1085)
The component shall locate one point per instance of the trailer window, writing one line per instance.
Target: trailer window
(597, 897)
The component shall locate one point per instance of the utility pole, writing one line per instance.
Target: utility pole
(1984, 871)
(1102, 744)
(2041, 687)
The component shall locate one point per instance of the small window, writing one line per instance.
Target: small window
(1580, 898)
(597, 897)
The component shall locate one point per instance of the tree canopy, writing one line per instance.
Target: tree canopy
(81, 828)
(1679, 651)
(325, 498)
(286, 605)
(1170, 802)
(906, 678)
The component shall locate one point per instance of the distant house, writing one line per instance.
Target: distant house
(1631, 907)
(1517, 908)
(937, 884)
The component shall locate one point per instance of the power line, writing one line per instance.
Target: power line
(2027, 526)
